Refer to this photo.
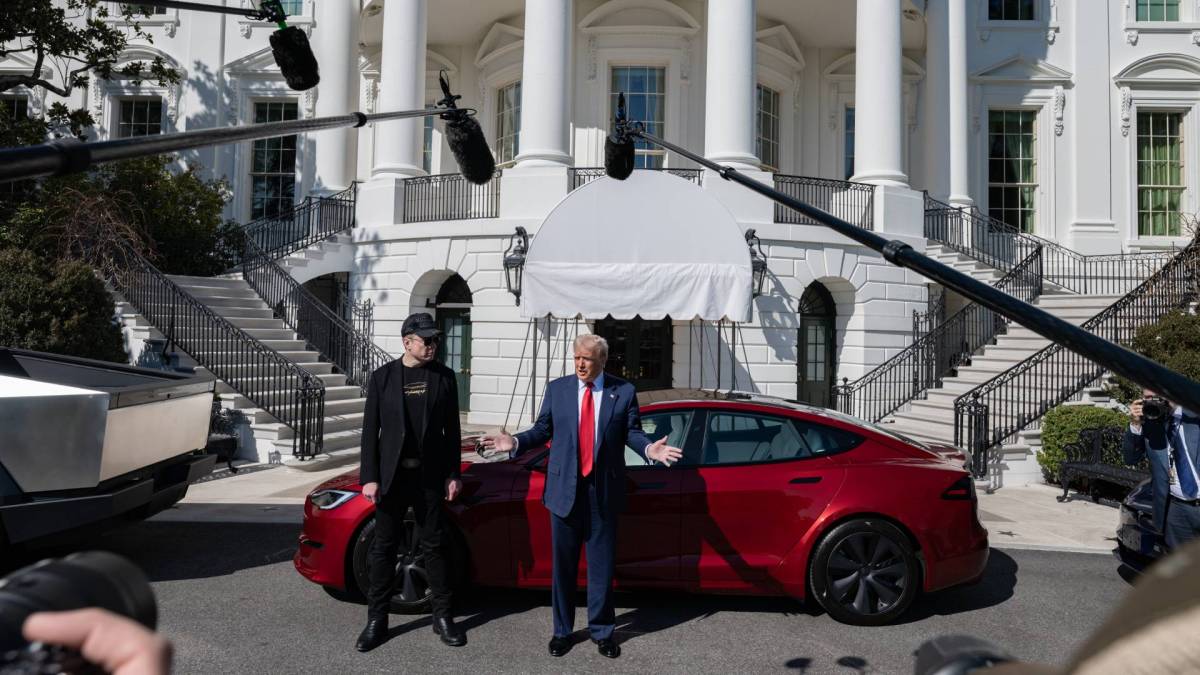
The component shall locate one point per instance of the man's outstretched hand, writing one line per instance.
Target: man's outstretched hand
(500, 442)
(659, 451)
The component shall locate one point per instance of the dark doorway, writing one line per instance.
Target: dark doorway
(639, 350)
(453, 306)
(817, 346)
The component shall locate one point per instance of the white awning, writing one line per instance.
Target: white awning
(654, 245)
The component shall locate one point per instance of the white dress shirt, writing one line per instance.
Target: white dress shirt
(597, 399)
(1176, 490)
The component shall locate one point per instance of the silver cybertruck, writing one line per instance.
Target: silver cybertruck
(83, 441)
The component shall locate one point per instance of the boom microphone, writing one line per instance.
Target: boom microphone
(465, 138)
(295, 58)
(618, 146)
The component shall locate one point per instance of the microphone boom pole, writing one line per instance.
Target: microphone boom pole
(1148, 373)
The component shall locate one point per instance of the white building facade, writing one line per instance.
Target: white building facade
(1074, 120)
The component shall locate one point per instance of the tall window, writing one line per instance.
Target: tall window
(139, 117)
(1012, 167)
(766, 128)
(645, 99)
(1160, 173)
(1157, 10)
(143, 10)
(848, 152)
(293, 7)
(427, 144)
(508, 123)
(1011, 10)
(273, 165)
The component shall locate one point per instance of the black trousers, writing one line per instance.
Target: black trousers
(405, 491)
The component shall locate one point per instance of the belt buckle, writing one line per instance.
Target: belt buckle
(410, 463)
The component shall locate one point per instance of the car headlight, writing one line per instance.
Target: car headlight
(330, 499)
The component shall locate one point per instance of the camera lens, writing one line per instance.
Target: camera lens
(89, 579)
(1154, 408)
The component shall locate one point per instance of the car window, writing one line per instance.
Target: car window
(823, 440)
(741, 438)
(671, 424)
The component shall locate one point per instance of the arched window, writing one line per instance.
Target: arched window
(816, 346)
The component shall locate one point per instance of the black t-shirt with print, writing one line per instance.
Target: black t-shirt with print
(416, 388)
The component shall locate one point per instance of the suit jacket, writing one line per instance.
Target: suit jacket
(384, 429)
(620, 424)
(1153, 444)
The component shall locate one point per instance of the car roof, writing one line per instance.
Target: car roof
(684, 395)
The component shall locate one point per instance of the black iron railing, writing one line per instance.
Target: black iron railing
(997, 244)
(850, 201)
(923, 364)
(310, 221)
(579, 176)
(353, 353)
(988, 414)
(270, 380)
(934, 314)
(360, 315)
(450, 197)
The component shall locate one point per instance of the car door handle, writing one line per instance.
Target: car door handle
(650, 486)
(800, 480)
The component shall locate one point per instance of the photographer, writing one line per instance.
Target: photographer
(1170, 438)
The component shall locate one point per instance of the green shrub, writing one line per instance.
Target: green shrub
(1174, 342)
(61, 308)
(1062, 425)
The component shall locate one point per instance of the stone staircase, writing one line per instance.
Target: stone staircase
(334, 254)
(932, 419)
(234, 299)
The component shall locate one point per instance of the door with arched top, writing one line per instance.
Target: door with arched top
(453, 307)
(816, 347)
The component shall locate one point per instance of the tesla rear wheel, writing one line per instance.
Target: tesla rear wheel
(865, 572)
(410, 593)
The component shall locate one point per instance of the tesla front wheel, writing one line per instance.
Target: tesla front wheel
(410, 593)
(865, 572)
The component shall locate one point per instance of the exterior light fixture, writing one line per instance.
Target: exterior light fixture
(514, 262)
(758, 262)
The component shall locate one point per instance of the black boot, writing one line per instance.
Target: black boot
(450, 633)
(373, 635)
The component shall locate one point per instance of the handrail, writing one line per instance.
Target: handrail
(1007, 403)
(268, 379)
(923, 364)
(848, 200)
(1000, 245)
(449, 196)
(353, 353)
(306, 223)
(578, 176)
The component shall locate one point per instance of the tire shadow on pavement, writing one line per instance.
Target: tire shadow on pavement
(995, 587)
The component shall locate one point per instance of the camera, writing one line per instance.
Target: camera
(88, 579)
(1155, 408)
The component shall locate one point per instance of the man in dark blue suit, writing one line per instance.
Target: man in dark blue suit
(1171, 442)
(589, 418)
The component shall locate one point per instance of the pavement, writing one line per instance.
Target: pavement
(1017, 517)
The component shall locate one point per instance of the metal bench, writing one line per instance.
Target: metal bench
(1097, 455)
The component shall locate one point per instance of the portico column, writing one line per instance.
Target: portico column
(401, 87)
(730, 84)
(546, 84)
(878, 94)
(960, 169)
(936, 101)
(335, 41)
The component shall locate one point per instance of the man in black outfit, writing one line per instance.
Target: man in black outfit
(410, 457)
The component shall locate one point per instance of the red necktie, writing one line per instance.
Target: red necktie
(587, 431)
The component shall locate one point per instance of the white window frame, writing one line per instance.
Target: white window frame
(169, 21)
(1186, 198)
(1018, 97)
(674, 115)
(495, 122)
(114, 120)
(1187, 105)
(246, 160)
(1045, 20)
(304, 20)
(840, 95)
(1188, 23)
(778, 140)
(986, 158)
(652, 150)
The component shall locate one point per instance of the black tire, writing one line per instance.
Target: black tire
(412, 593)
(868, 547)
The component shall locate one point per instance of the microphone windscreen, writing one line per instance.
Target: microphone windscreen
(618, 157)
(470, 148)
(295, 58)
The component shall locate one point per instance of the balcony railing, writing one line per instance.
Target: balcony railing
(852, 202)
(308, 222)
(579, 176)
(450, 197)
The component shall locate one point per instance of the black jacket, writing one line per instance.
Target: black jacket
(384, 429)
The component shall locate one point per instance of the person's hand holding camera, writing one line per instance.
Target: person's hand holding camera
(1135, 412)
(118, 645)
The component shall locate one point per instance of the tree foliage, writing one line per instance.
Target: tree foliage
(1174, 341)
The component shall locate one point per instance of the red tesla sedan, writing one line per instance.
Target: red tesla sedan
(771, 497)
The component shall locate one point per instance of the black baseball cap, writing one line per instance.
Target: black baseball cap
(420, 324)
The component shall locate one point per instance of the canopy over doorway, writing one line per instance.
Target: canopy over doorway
(654, 245)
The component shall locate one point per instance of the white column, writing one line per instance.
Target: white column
(335, 41)
(936, 101)
(401, 87)
(729, 84)
(878, 94)
(960, 156)
(546, 84)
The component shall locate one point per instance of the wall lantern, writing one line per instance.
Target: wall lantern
(758, 262)
(514, 262)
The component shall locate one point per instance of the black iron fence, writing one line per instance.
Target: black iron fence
(1000, 245)
(850, 201)
(923, 364)
(272, 382)
(995, 410)
(310, 221)
(450, 197)
(579, 176)
(352, 352)
(934, 314)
